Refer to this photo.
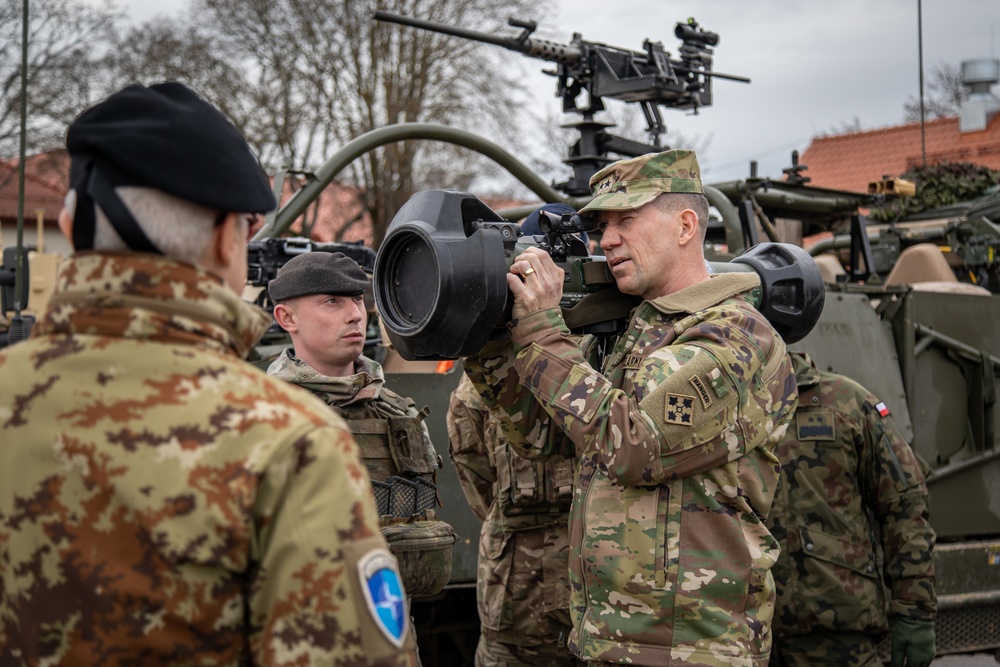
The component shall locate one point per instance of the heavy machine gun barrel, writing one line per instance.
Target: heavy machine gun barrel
(566, 54)
(649, 77)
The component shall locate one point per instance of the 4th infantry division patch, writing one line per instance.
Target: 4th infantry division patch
(679, 410)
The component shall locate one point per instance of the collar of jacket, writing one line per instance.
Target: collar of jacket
(806, 373)
(706, 293)
(365, 384)
(149, 297)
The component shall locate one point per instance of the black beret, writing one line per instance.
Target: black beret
(318, 272)
(168, 138)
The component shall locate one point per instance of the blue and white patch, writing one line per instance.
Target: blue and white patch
(384, 594)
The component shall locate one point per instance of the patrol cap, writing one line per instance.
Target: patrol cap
(165, 137)
(630, 184)
(318, 272)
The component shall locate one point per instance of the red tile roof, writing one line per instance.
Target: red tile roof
(336, 216)
(851, 161)
(38, 194)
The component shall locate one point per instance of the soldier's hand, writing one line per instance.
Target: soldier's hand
(535, 281)
(913, 643)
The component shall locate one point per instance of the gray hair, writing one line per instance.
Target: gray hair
(674, 202)
(180, 229)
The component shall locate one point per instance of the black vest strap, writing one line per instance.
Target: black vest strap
(97, 189)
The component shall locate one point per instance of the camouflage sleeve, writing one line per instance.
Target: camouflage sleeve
(522, 419)
(697, 404)
(899, 495)
(324, 592)
(468, 430)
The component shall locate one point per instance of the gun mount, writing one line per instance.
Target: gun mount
(650, 78)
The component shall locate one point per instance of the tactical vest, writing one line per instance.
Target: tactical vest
(402, 465)
(392, 442)
(532, 493)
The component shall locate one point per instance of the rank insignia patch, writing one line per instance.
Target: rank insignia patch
(384, 594)
(816, 425)
(679, 410)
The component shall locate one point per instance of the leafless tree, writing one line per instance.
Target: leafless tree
(325, 72)
(68, 41)
(945, 95)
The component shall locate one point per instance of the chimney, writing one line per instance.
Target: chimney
(976, 112)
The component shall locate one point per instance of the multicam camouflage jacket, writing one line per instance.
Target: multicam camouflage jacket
(166, 503)
(523, 577)
(850, 514)
(670, 558)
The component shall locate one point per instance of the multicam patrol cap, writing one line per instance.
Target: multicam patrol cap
(630, 184)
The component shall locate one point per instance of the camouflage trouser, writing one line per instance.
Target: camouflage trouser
(492, 652)
(843, 649)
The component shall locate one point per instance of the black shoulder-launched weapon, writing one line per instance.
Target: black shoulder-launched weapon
(650, 78)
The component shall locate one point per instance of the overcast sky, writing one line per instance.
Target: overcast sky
(814, 66)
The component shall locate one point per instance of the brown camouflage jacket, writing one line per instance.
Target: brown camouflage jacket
(670, 558)
(165, 503)
(523, 574)
(851, 514)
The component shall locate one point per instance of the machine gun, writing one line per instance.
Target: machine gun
(649, 77)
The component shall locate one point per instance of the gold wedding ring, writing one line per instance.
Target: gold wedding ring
(529, 272)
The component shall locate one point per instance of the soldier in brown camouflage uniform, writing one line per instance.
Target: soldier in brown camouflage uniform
(165, 503)
(523, 578)
(851, 517)
(673, 431)
(319, 301)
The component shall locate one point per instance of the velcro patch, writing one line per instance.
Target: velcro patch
(699, 386)
(384, 594)
(883, 411)
(815, 425)
(717, 382)
(679, 409)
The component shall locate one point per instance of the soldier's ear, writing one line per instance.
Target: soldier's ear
(689, 227)
(285, 317)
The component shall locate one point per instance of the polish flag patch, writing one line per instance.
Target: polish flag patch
(882, 410)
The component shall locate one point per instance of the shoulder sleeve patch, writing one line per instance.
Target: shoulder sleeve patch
(679, 410)
(682, 414)
(384, 594)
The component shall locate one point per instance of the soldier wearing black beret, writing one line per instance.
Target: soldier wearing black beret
(172, 503)
(318, 273)
(319, 300)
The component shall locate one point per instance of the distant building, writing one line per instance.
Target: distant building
(42, 198)
(337, 215)
(851, 161)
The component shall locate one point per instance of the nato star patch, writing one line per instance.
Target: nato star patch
(679, 410)
(384, 594)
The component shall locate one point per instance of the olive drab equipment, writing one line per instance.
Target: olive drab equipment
(531, 493)
(402, 464)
